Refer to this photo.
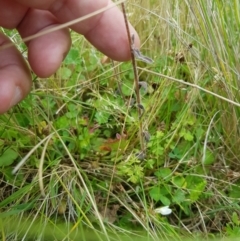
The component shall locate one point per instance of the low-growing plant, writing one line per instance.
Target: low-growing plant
(144, 149)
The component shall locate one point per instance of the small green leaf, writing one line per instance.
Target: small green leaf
(8, 157)
(234, 191)
(179, 181)
(190, 121)
(155, 193)
(163, 173)
(134, 179)
(149, 163)
(188, 136)
(102, 117)
(235, 218)
(159, 134)
(65, 73)
(179, 196)
(72, 115)
(160, 194)
(209, 158)
(72, 57)
(165, 201)
(199, 133)
(127, 88)
(195, 187)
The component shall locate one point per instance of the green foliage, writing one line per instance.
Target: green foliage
(132, 169)
(233, 227)
(8, 157)
(80, 133)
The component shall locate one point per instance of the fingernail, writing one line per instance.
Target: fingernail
(17, 96)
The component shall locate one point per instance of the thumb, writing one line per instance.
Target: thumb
(15, 77)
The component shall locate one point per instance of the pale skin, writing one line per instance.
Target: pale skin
(105, 31)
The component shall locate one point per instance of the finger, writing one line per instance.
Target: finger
(45, 53)
(11, 13)
(106, 31)
(110, 35)
(15, 77)
(40, 4)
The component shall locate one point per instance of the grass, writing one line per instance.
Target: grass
(78, 135)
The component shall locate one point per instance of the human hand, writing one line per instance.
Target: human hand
(106, 31)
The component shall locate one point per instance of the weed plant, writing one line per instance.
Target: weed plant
(98, 164)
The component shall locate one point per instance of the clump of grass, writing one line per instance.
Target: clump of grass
(81, 134)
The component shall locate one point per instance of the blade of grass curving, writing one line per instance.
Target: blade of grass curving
(40, 169)
(192, 85)
(21, 163)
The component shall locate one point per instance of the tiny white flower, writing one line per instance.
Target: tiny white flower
(163, 210)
